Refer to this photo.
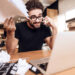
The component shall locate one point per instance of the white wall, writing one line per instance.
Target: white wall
(66, 5)
(66, 11)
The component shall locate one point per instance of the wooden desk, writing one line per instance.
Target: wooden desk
(36, 55)
(31, 56)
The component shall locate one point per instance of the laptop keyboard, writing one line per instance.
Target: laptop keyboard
(43, 66)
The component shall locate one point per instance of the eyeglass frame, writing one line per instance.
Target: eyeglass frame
(35, 17)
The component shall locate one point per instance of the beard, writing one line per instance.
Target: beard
(33, 24)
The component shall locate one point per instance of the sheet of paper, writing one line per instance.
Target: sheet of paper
(12, 8)
(21, 6)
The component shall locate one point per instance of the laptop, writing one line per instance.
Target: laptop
(62, 56)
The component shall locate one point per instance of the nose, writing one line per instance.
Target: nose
(37, 20)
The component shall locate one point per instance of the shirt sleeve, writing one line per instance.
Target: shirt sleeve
(17, 32)
(47, 32)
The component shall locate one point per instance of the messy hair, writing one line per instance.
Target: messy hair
(33, 4)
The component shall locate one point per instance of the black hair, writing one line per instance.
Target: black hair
(33, 4)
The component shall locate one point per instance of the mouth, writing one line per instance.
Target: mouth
(36, 23)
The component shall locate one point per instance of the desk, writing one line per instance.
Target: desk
(32, 55)
(36, 55)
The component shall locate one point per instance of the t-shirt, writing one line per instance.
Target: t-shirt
(31, 39)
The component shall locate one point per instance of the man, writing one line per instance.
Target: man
(30, 35)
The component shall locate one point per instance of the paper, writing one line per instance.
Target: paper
(12, 8)
(21, 6)
(23, 67)
(4, 57)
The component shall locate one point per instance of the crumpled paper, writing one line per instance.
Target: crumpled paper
(22, 66)
(4, 57)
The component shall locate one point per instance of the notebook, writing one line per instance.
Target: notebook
(62, 56)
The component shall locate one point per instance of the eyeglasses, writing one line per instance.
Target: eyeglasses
(33, 17)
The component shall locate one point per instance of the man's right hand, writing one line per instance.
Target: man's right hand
(11, 41)
(9, 26)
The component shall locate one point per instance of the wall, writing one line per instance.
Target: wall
(66, 5)
(66, 12)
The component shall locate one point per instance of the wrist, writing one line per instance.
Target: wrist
(54, 30)
(10, 34)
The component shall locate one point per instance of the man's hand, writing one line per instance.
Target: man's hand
(48, 21)
(9, 26)
(50, 40)
(11, 41)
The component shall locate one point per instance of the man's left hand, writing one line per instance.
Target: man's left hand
(48, 21)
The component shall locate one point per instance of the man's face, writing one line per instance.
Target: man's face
(36, 17)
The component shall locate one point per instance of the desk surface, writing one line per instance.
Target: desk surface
(36, 55)
(31, 55)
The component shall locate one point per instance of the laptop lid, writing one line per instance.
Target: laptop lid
(63, 53)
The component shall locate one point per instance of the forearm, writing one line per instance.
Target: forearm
(54, 30)
(50, 40)
(53, 37)
(11, 43)
(49, 22)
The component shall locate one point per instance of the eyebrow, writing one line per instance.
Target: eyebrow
(40, 14)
